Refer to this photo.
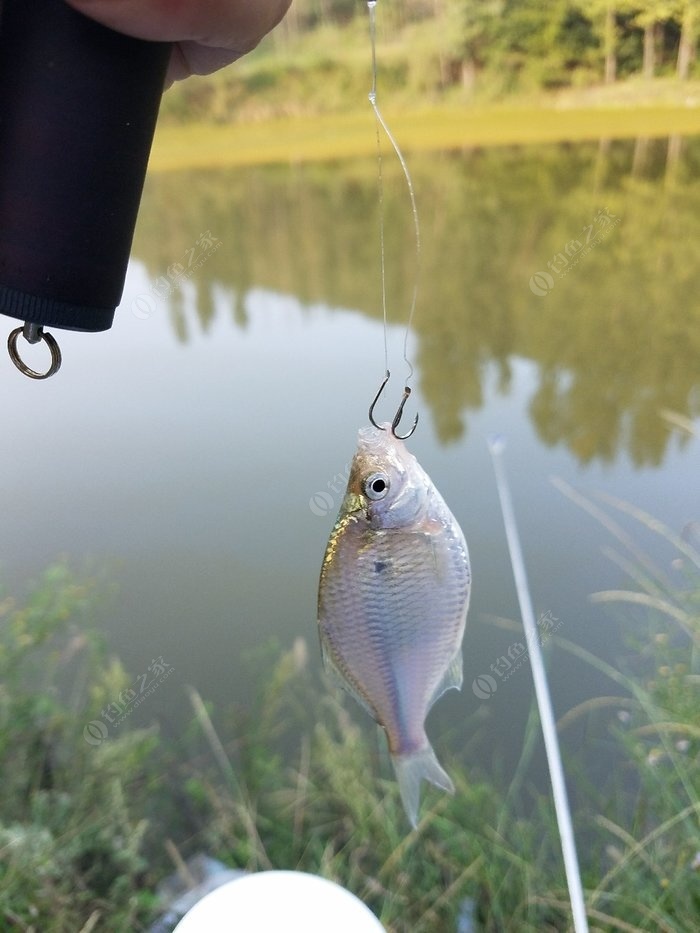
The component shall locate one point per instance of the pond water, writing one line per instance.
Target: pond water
(198, 448)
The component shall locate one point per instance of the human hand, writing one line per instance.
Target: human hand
(207, 34)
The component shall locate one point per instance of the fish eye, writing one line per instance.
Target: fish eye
(376, 486)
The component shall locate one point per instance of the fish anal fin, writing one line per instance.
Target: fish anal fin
(339, 678)
(451, 679)
(413, 768)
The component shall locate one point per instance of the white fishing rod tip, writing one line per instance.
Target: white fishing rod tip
(497, 444)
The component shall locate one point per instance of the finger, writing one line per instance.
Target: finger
(191, 58)
(233, 25)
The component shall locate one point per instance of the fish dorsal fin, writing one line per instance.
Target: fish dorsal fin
(335, 674)
(452, 678)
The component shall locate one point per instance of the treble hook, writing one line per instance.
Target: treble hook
(399, 411)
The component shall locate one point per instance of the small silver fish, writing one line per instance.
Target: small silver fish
(392, 602)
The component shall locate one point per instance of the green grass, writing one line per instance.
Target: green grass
(71, 814)
(302, 96)
(652, 876)
(300, 780)
(327, 137)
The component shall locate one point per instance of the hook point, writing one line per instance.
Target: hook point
(399, 411)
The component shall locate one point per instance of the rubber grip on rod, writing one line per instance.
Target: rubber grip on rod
(78, 107)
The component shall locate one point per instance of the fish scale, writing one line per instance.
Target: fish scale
(393, 599)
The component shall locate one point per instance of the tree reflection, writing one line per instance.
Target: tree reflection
(615, 337)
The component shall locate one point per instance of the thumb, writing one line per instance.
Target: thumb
(235, 25)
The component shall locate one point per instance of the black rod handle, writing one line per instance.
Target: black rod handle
(78, 107)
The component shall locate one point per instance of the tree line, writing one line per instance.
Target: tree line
(549, 42)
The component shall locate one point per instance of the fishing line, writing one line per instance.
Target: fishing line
(381, 123)
(380, 178)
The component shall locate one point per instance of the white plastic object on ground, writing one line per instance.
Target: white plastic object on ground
(280, 902)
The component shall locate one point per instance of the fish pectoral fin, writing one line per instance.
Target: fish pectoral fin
(451, 679)
(411, 770)
(339, 678)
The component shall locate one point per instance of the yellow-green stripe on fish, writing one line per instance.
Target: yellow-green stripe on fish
(392, 602)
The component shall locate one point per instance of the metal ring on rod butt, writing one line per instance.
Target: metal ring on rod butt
(33, 333)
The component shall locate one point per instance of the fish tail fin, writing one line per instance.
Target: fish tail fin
(410, 770)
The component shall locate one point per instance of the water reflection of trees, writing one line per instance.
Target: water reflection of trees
(614, 340)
